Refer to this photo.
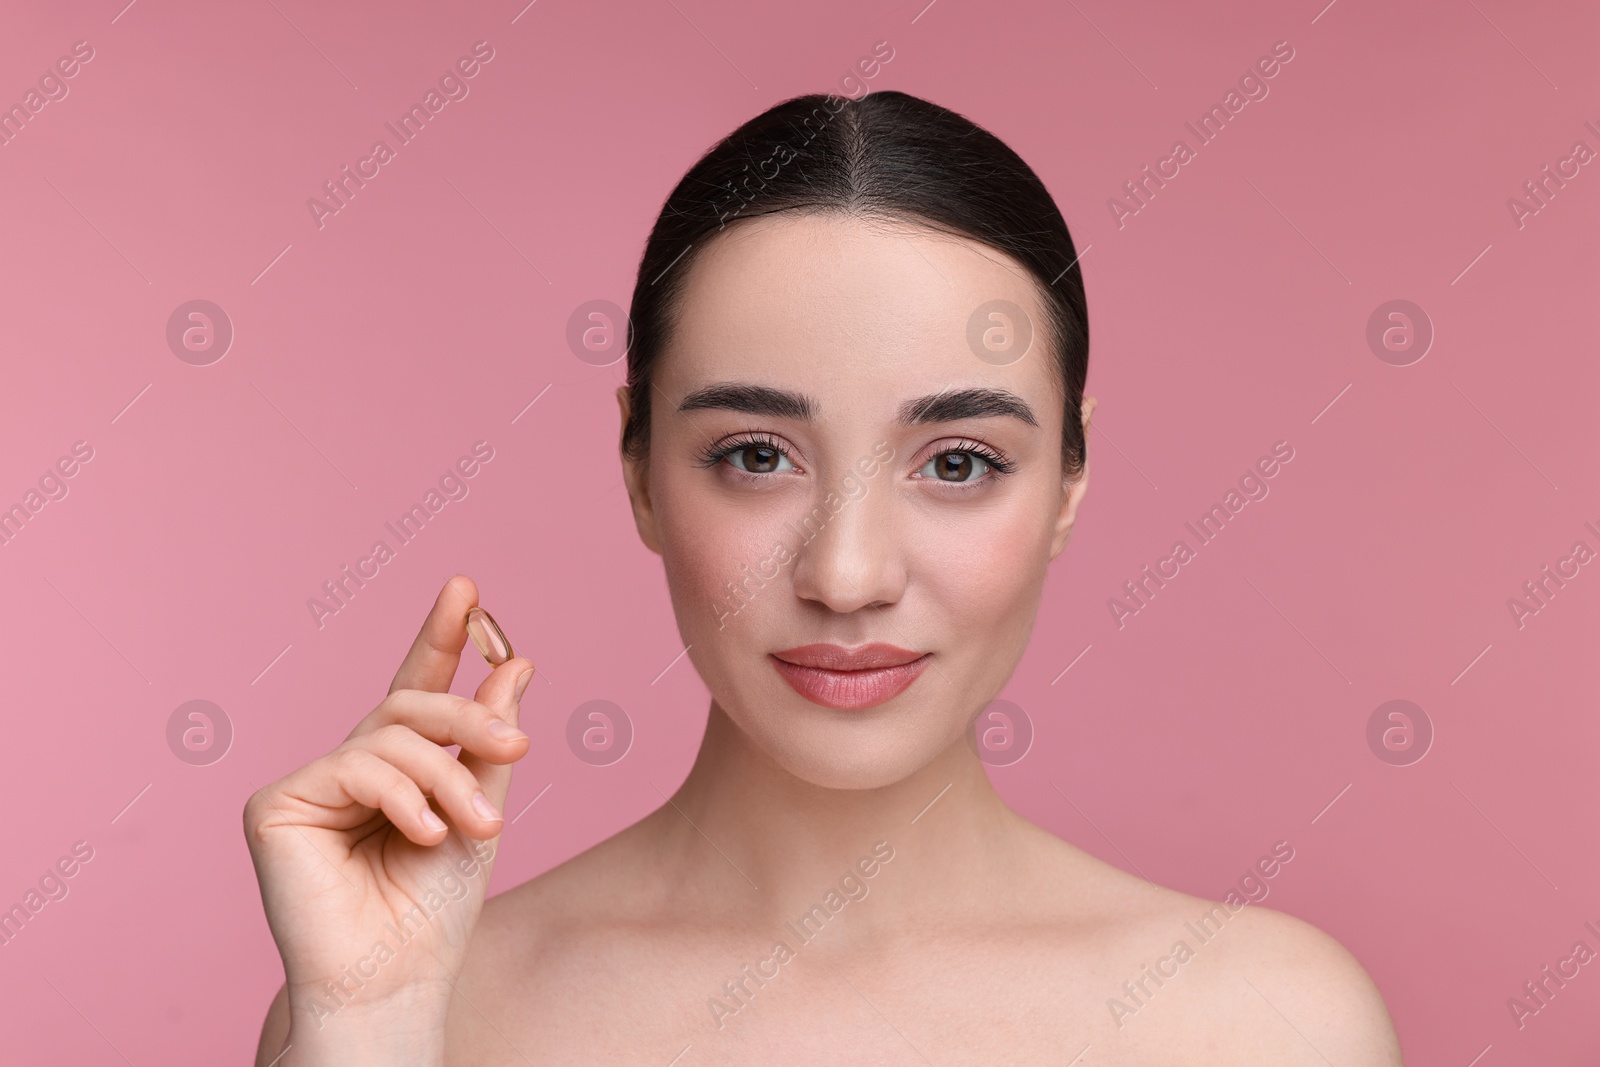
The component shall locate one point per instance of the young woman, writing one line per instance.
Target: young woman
(854, 429)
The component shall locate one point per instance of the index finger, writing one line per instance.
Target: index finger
(431, 663)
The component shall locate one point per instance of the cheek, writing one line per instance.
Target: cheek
(983, 567)
(982, 577)
(721, 554)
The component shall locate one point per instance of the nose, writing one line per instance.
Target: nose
(851, 555)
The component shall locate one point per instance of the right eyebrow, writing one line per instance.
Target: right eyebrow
(752, 400)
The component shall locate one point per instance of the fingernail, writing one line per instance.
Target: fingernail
(522, 683)
(432, 821)
(501, 730)
(481, 805)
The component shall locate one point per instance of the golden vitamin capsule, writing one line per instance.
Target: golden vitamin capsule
(487, 635)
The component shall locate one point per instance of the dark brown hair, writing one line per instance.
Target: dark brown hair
(886, 155)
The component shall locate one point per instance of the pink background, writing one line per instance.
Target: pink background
(1226, 315)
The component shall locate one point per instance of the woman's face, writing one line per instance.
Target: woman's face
(832, 462)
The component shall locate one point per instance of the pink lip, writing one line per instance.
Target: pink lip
(849, 678)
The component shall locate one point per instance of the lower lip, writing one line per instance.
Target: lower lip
(850, 690)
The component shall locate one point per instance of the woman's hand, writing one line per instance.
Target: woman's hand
(372, 890)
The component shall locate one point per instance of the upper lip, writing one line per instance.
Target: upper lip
(840, 658)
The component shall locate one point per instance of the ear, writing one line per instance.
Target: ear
(1075, 492)
(636, 475)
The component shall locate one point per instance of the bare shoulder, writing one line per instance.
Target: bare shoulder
(1277, 988)
(1180, 979)
(610, 880)
(1327, 1004)
(551, 933)
(531, 920)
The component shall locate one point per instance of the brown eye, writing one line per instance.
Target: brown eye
(957, 466)
(953, 466)
(971, 464)
(748, 453)
(758, 459)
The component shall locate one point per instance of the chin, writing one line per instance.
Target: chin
(833, 749)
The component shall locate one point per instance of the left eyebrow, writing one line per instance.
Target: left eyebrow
(977, 402)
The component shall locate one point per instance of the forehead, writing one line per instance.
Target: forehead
(850, 310)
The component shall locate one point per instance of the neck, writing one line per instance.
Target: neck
(748, 838)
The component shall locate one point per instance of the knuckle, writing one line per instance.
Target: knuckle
(387, 709)
(394, 734)
(397, 706)
(397, 790)
(468, 720)
(444, 775)
(348, 761)
(258, 811)
(463, 780)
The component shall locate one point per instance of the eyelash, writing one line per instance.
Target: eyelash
(713, 454)
(999, 465)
